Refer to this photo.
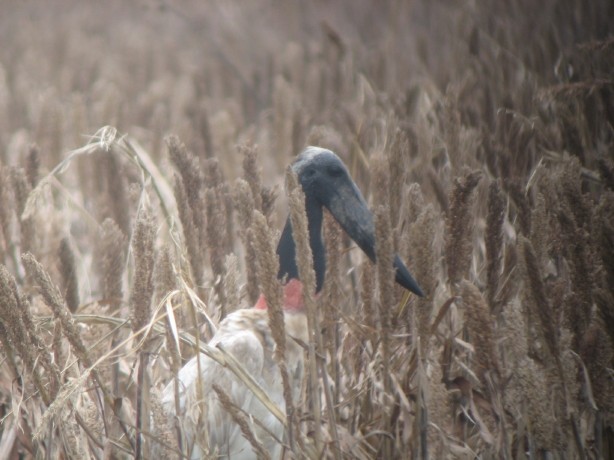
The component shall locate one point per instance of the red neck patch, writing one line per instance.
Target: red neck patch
(293, 297)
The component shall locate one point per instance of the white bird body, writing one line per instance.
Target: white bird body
(208, 427)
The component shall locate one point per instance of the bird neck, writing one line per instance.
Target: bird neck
(286, 249)
(292, 301)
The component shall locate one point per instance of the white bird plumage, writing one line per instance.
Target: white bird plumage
(208, 427)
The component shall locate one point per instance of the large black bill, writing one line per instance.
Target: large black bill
(404, 278)
(350, 209)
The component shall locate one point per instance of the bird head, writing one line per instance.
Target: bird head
(327, 183)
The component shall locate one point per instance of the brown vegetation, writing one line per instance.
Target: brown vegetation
(481, 132)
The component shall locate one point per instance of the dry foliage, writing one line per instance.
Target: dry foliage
(481, 132)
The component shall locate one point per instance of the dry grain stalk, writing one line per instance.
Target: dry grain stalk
(300, 233)
(241, 420)
(69, 274)
(143, 242)
(189, 189)
(216, 237)
(494, 243)
(245, 205)
(458, 227)
(53, 299)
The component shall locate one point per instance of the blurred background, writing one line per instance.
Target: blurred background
(490, 121)
(216, 72)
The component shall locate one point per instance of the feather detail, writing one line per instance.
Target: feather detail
(208, 427)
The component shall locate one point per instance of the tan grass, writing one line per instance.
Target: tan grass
(304, 261)
(458, 227)
(241, 420)
(143, 249)
(69, 275)
(245, 204)
(421, 240)
(483, 144)
(494, 243)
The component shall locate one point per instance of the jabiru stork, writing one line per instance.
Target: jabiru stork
(245, 333)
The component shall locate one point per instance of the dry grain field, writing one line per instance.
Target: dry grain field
(142, 142)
